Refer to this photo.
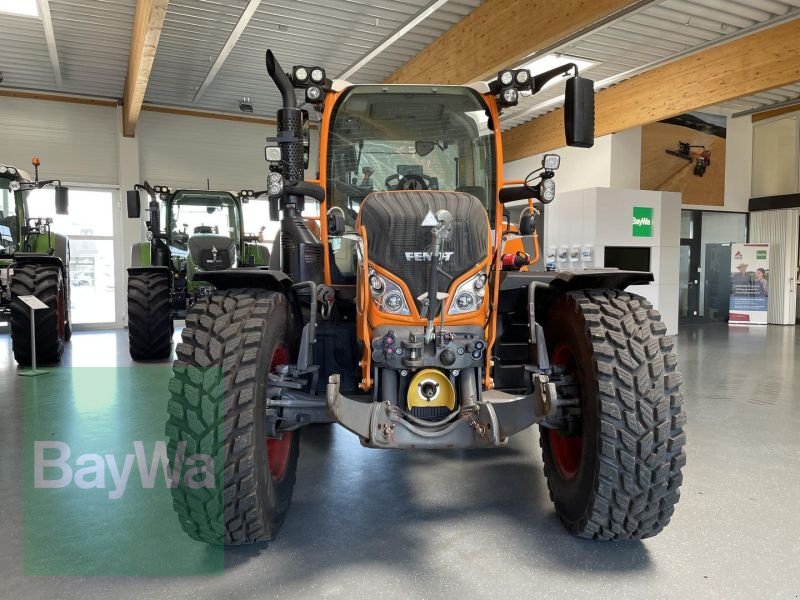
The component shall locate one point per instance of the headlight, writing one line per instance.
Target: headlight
(522, 76)
(3, 168)
(469, 295)
(317, 75)
(510, 96)
(547, 190)
(506, 77)
(387, 295)
(14, 186)
(300, 74)
(12, 171)
(274, 184)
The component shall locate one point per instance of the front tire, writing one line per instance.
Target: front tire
(616, 476)
(150, 326)
(46, 282)
(232, 341)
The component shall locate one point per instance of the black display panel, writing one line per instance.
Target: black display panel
(627, 258)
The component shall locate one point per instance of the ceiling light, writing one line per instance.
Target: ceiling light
(551, 61)
(26, 8)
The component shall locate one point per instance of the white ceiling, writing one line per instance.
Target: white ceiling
(92, 38)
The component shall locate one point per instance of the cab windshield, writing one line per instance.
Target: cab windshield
(8, 217)
(198, 213)
(406, 137)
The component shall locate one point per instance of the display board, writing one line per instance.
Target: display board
(686, 154)
(749, 284)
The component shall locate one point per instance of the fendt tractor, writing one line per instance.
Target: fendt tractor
(400, 323)
(189, 232)
(34, 261)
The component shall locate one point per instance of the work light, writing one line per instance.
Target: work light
(551, 162)
(522, 77)
(547, 190)
(274, 184)
(300, 74)
(506, 77)
(313, 94)
(317, 75)
(510, 96)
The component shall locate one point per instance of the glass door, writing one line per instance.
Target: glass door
(689, 266)
(90, 227)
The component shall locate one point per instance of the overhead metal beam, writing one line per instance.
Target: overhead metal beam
(773, 110)
(234, 36)
(743, 67)
(49, 36)
(503, 33)
(396, 35)
(147, 25)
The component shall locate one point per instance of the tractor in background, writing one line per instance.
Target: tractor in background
(408, 322)
(189, 232)
(34, 261)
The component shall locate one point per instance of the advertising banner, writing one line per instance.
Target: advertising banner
(749, 284)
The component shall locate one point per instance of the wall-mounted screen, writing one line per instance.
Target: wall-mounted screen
(627, 258)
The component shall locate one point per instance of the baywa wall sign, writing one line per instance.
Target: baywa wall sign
(642, 221)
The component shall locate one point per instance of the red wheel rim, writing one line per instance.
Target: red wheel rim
(278, 448)
(566, 450)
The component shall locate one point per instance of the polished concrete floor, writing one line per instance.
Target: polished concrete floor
(376, 524)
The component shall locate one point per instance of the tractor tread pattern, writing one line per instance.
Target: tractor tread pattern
(641, 437)
(38, 280)
(149, 319)
(213, 409)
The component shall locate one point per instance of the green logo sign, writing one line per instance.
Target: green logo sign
(642, 221)
(761, 255)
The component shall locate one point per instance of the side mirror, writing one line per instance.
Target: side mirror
(527, 224)
(336, 227)
(579, 112)
(62, 200)
(134, 204)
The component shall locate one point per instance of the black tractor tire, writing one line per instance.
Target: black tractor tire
(217, 406)
(616, 477)
(46, 282)
(150, 325)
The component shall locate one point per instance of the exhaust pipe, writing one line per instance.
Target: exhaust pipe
(282, 82)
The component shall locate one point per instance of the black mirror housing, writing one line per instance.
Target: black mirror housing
(62, 200)
(336, 226)
(579, 112)
(134, 204)
(527, 224)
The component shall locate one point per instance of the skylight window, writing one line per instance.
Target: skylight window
(26, 8)
(551, 61)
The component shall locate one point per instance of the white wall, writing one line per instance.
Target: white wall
(776, 156)
(601, 217)
(76, 142)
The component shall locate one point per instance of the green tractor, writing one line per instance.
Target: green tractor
(34, 261)
(189, 232)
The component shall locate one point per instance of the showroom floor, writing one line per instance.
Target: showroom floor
(366, 523)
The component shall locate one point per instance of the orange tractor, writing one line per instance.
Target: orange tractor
(408, 321)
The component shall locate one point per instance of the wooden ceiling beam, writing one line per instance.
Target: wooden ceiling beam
(147, 25)
(501, 33)
(748, 65)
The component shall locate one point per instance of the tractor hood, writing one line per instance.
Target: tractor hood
(210, 252)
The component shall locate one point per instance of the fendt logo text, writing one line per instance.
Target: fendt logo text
(426, 256)
(89, 471)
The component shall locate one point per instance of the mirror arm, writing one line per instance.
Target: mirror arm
(537, 83)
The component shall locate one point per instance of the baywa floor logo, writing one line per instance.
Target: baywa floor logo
(104, 471)
(102, 480)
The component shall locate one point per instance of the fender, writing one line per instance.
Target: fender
(37, 257)
(263, 278)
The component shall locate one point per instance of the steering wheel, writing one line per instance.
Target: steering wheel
(396, 182)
